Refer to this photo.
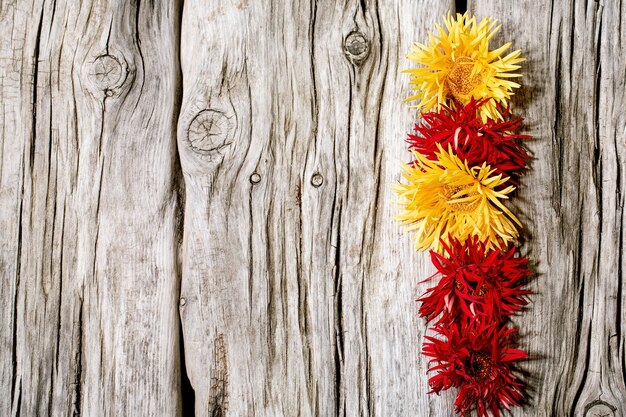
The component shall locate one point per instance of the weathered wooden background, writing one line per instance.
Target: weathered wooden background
(195, 207)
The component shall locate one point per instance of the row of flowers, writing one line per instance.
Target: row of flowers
(467, 161)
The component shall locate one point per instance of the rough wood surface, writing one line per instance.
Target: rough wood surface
(88, 209)
(291, 131)
(573, 98)
(293, 287)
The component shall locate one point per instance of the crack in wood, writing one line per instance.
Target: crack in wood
(218, 392)
(339, 352)
(599, 408)
(77, 343)
(460, 6)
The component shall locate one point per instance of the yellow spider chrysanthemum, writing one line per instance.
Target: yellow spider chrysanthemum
(447, 198)
(457, 64)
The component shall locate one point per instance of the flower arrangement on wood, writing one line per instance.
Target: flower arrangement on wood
(475, 282)
(467, 159)
(476, 358)
(447, 197)
(493, 142)
(458, 64)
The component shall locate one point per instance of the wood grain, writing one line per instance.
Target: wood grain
(572, 99)
(289, 249)
(88, 209)
(294, 289)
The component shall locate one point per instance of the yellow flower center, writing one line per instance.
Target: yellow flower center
(447, 193)
(460, 79)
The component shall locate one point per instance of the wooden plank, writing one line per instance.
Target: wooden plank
(298, 289)
(88, 209)
(573, 99)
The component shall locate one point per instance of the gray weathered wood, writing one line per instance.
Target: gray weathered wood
(289, 248)
(573, 99)
(294, 287)
(88, 209)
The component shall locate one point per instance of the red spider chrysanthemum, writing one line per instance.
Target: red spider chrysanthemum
(460, 126)
(478, 360)
(475, 282)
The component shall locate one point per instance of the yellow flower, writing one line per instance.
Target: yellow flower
(457, 64)
(447, 198)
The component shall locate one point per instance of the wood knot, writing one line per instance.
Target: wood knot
(317, 180)
(183, 301)
(208, 131)
(599, 408)
(107, 71)
(356, 47)
(255, 178)
(106, 75)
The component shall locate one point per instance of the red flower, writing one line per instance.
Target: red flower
(476, 142)
(475, 282)
(476, 358)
